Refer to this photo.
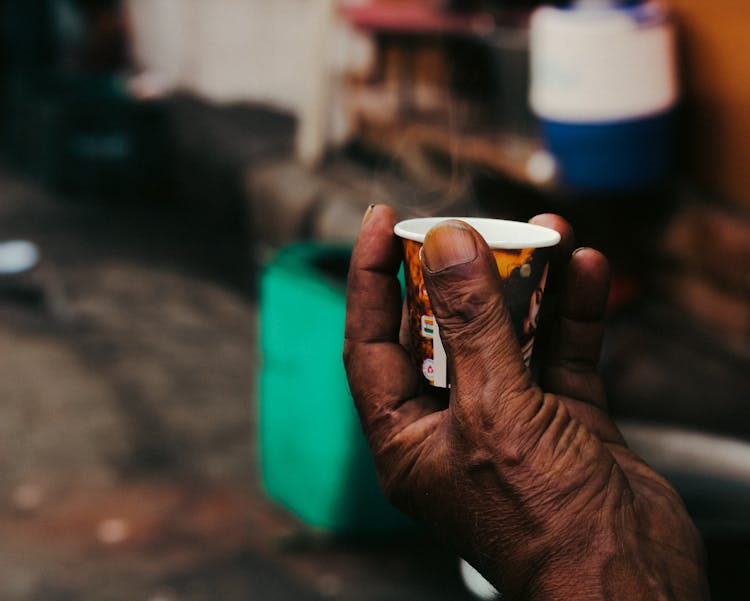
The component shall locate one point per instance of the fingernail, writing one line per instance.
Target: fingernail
(447, 245)
(368, 213)
(579, 249)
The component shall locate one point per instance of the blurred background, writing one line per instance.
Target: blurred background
(181, 182)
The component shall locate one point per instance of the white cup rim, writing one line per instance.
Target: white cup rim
(500, 234)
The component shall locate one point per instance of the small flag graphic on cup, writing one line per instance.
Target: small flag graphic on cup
(428, 326)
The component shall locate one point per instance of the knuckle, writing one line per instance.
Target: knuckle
(473, 318)
(466, 300)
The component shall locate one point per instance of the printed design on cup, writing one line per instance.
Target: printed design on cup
(428, 326)
(510, 260)
(428, 370)
(524, 276)
(531, 321)
(425, 338)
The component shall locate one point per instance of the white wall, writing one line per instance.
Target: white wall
(229, 50)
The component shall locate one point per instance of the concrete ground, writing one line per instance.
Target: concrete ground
(127, 458)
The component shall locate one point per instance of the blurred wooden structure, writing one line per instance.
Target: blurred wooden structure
(433, 95)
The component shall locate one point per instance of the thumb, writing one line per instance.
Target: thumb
(466, 296)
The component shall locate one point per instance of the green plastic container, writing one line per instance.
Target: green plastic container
(314, 458)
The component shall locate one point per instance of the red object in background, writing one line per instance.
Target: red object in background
(623, 290)
(415, 17)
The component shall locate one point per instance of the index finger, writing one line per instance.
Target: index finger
(373, 298)
(381, 375)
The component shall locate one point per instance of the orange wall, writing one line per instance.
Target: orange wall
(716, 47)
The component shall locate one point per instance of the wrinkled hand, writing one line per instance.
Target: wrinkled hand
(536, 488)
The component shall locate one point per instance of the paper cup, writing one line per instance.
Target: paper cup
(522, 253)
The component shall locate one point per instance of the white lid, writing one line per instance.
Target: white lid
(602, 65)
(499, 233)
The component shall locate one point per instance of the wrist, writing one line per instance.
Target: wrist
(619, 577)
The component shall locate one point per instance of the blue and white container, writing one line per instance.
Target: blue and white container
(604, 84)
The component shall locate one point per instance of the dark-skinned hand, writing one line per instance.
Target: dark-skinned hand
(534, 485)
